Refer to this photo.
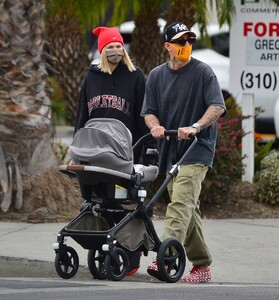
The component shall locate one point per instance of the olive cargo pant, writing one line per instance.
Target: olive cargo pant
(183, 217)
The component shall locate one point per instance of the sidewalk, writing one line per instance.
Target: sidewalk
(244, 251)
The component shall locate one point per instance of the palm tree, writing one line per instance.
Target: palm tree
(67, 47)
(26, 157)
(66, 26)
(146, 46)
(182, 11)
(148, 52)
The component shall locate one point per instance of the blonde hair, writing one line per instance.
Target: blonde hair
(105, 66)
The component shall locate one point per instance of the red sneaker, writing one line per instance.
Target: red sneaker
(134, 263)
(198, 275)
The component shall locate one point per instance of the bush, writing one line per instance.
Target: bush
(261, 151)
(267, 179)
(227, 168)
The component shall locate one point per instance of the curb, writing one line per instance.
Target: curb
(23, 267)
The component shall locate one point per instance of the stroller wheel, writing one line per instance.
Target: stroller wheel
(116, 264)
(96, 263)
(171, 260)
(66, 262)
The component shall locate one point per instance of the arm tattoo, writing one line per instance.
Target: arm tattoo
(211, 115)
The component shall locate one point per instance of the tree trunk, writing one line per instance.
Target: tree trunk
(70, 62)
(147, 46)
(25, 116)
(181, 11)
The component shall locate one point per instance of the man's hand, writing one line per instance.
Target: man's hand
(184, 133)
(158, 132)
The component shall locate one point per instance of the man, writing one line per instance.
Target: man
(184, 94)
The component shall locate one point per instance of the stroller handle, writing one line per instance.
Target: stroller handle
(174, 133)
(148, 136)
(170, 133)
(144, 138)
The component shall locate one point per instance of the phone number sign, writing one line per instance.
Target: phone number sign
(254, 47)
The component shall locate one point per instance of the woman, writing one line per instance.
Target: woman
(114, 88)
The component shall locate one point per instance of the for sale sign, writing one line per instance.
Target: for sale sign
(263, 49)
(254, 47)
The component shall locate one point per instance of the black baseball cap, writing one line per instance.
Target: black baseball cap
(176, 30)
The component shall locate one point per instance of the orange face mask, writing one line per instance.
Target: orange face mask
(182, 52)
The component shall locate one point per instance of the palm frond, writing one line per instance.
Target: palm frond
(89, 13)
(225, 10)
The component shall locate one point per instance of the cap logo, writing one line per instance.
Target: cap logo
(179, 27)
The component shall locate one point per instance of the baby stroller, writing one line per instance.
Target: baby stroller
(102, 156)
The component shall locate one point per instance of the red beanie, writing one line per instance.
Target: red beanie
(107, 35)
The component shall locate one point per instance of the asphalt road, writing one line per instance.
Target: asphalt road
(43, 289)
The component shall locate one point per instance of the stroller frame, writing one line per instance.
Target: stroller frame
(107, 257)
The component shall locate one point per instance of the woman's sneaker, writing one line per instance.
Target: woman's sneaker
(198, 275)
(134, 263)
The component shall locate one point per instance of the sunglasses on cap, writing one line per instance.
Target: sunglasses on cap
(182, 42)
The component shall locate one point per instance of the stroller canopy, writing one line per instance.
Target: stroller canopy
(103, 142)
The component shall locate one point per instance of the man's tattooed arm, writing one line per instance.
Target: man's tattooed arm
(211, 115)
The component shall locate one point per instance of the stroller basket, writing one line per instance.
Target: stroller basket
(92, 229)
(88, 222)
(88, 230)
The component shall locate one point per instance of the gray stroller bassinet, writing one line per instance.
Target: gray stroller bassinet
(104, 143)
(104, 147)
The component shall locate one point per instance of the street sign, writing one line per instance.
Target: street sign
(254, 48)
(254, 64)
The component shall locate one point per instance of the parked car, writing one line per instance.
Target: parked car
(217, 57)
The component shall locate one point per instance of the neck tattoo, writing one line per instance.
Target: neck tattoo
(174, 63)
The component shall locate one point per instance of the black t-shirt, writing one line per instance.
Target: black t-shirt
(179, 98)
